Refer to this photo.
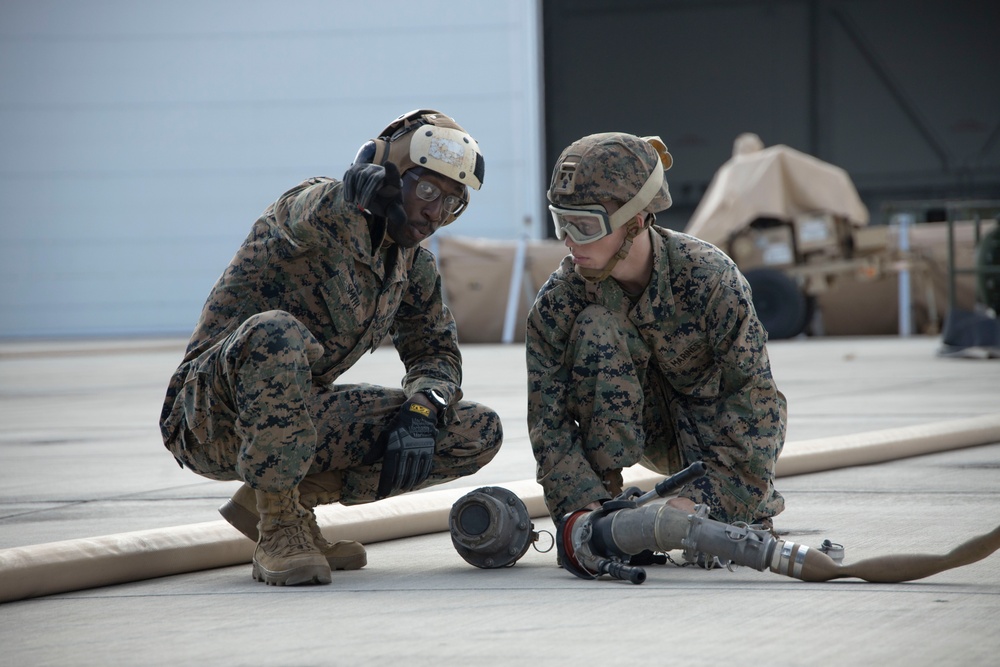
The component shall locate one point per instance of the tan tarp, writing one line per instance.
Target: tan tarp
(781, 182)
(476, 274)
(775, 182)
(854, 307)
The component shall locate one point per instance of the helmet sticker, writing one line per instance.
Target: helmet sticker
(446, 150)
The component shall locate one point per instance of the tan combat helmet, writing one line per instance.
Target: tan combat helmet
(431, 140)
(608, 167)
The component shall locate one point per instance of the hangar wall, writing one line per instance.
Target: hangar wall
(903, 94)
(140, 140)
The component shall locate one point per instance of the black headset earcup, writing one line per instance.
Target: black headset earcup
(374, 151)
(381, 154)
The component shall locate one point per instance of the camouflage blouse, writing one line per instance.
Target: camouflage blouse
(314, 256)
(697, 317)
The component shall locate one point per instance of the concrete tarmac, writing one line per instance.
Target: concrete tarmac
(80, 456)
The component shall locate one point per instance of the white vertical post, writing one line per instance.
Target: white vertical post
(903, 223)
(434, 245)
(514, 292)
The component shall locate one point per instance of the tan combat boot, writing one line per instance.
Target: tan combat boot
(285, 553)
(319, 489)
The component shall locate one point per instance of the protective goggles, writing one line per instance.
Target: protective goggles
(591, 222)
(585, 224)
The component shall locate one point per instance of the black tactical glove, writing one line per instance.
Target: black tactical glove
(406, 449)
(376, 188)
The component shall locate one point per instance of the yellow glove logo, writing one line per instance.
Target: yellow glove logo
(419, 409)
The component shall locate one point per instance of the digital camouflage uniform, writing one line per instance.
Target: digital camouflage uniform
(680, 375)
(307, 294)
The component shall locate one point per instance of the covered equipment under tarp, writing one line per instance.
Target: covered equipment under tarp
(774, 182)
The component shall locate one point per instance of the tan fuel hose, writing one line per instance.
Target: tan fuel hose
(817, 566)
(59, 567)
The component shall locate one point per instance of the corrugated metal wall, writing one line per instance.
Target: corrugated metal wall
(139, 140)
(903, 94)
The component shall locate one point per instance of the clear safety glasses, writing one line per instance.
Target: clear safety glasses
(583, 225)
(427, 191)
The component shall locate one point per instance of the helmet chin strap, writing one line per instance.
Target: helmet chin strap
(597, 275)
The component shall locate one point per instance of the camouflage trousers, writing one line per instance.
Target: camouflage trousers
(250, 411)
(628, 413)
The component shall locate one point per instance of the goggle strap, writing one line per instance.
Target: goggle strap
(597, 275)
(641, 199)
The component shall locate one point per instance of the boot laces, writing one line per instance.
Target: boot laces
(317, 535)
(290, 538)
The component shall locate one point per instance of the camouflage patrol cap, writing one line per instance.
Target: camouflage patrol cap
(610, 166)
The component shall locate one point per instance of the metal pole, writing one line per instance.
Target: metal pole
(904, 221)
(514, 292)
(434, 245)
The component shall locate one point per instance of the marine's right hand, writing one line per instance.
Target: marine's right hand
(375, 188)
